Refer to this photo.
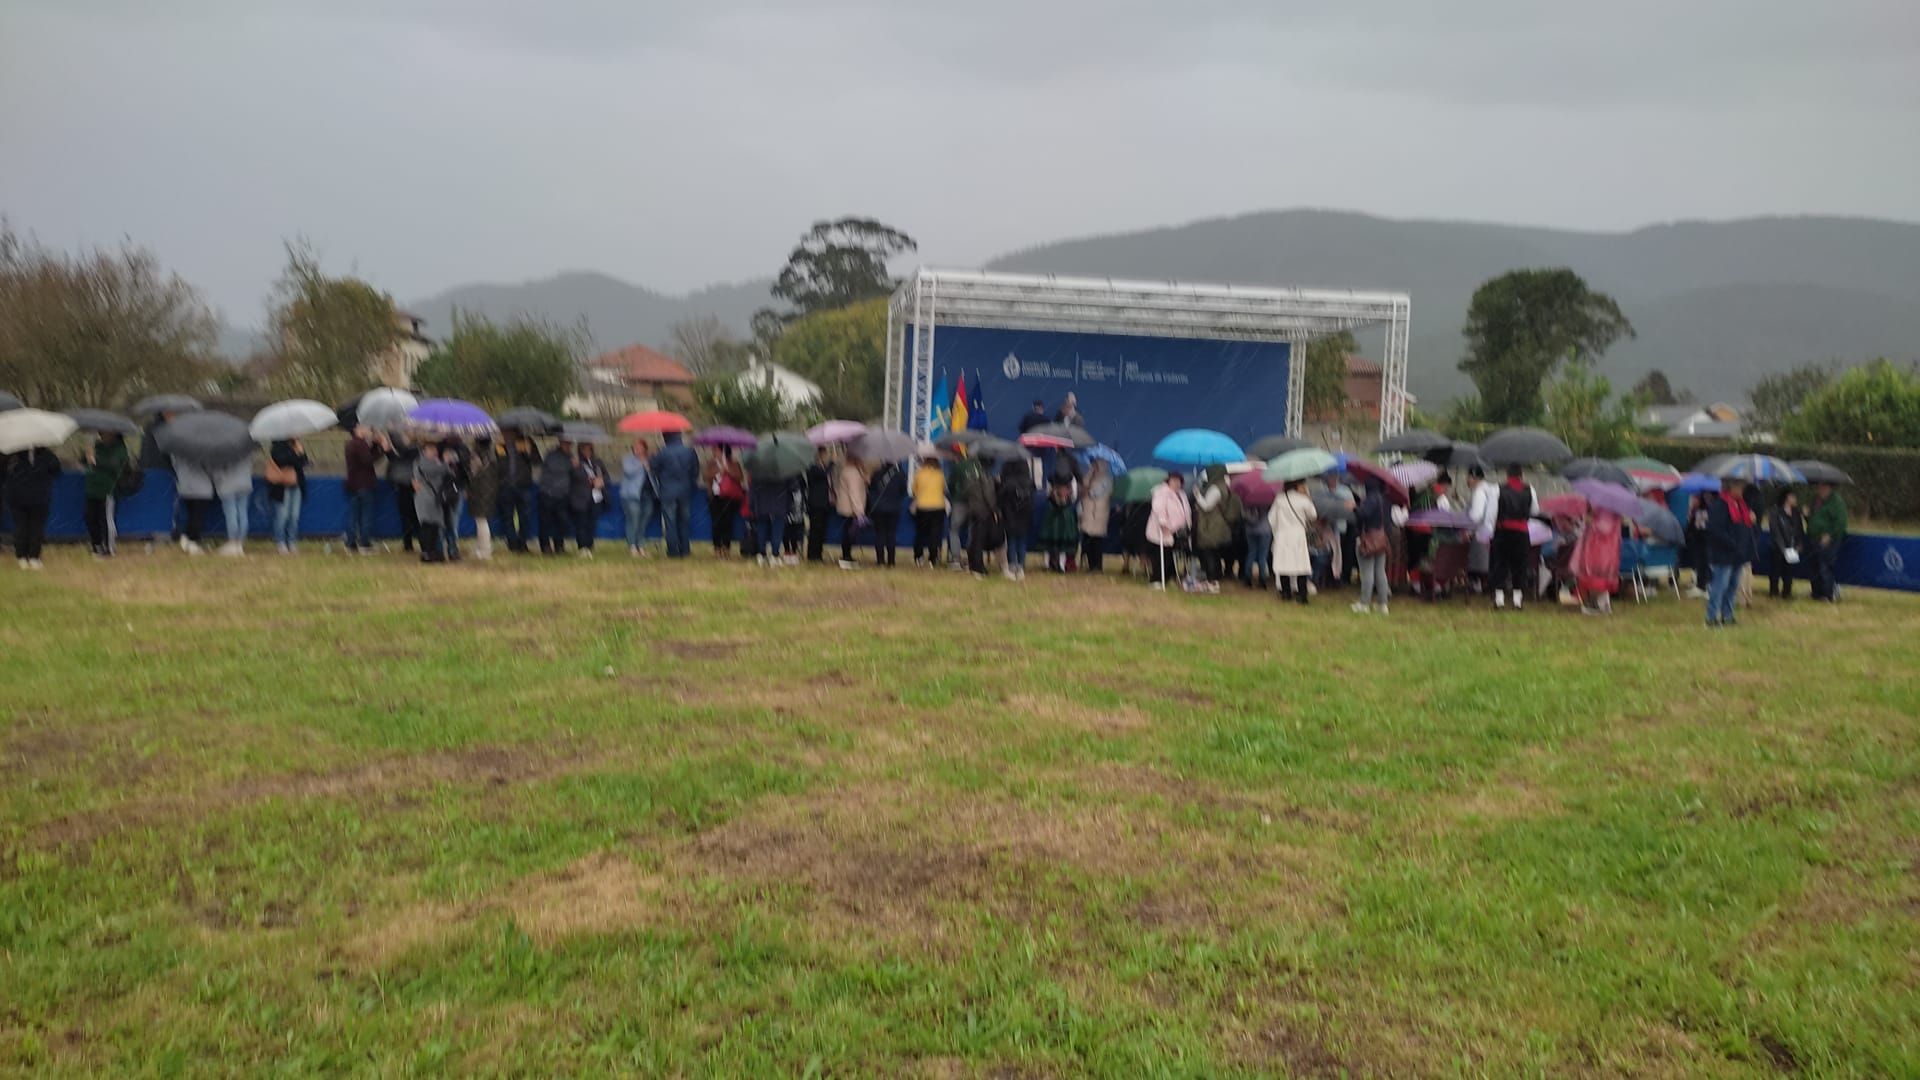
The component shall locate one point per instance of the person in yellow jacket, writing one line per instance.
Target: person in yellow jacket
(929, 510)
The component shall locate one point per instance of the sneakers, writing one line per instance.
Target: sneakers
(585, 553)
(191, 548)
(1358, 609)
(1499, 600)
(846, 564)
(1158, 586)
(1010, 574)
(366, 551)
(1695, 592)
(1383, 609)
(233, 549)
(977, 576)
(26, 564)
(1517, 598)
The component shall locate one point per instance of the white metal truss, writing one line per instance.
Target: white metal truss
(932, 298)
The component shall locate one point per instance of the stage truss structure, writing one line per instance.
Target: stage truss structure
(930, 298)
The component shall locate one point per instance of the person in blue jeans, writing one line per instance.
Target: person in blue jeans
(639, 496)
(519, 491)
(289, 457)
(362, 479)
(676, 473)
(1730, 546)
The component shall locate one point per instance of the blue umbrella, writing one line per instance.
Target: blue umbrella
(1198, 446)
(1102, 452)
(1694, 483)
(1760, 468)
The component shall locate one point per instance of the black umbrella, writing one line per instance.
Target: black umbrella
(1459, 455)
(349, 414)
(1268, 447)
(1524, 446)
(8, 401)
(528, 420)
(1588, 468)
(963, 437)
(996, 449)
(579, 431)
(1413, 441)
(148, 408)
(101, 422)
(1073, 433)
(782, 455)
(1819, 472)
(1332, 507)
(207, 439)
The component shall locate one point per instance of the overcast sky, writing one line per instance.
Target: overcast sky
(428, 143)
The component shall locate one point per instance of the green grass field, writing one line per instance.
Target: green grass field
(322, 815)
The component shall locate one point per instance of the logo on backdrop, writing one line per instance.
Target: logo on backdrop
(1892, 560)
(1010, 367)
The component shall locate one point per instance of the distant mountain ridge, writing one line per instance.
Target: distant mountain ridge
(617, 313)
(1717, 304)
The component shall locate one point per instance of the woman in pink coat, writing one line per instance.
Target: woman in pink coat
(1169, 516)
(1596, 562)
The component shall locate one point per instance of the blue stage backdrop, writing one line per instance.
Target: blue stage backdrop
(1133, 390)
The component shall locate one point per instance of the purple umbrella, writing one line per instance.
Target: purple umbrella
(1440, 519)
(1255, 493)
(1611, 497)
(727, 436)
(1538, 533)
(448, 416)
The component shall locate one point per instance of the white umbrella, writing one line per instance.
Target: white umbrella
(294, 419)
(386, 409)
(26, 429)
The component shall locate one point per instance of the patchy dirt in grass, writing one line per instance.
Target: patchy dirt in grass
(475, 766)
(1060, 711)
(701, 650)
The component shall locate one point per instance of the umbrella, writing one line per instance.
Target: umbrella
(206, 439)
(1694, 483)
(883, 446)
(1102, 452)
(1332, 507)
(1256, 493)
(727, 436)
(531, 421)
(102, 422)
(1198, 446)
(1367, 470)
(963, 437)
(1033, 440)
(1138, 484)
(148, 408)
(1569, 504)
(782, 455)
(8, 402)
(29, 429)
(1440, 519)
(1076, 436)
(1607, 496)
(1538, 533)
(450, 416)
(996, 449)
(1459, 455)
(1415, 474)
(1642, 463)
(1413, 441)
(579, 431)
(294, 419)
(1268, 447)
(656, 422)
(1819, 472)
(1524, 446)
(1588, 468)
(1300, 464)
(383, 408)
(1760, 468)
(1659, 521)
(836, 431)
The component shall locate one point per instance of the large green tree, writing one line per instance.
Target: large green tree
(1521, 326)
(1581, 409)
(526, 361)
(752, 404)
(839, 263)
(1777, 398)
(1877, 404)
(97, 329)
(1325, 391)
(330, 330)
(844, 351)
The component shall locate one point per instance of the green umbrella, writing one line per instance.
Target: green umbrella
(782, 455)
(1136, 485)
(1299, 464)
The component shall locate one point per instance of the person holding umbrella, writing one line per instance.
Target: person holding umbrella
(639, 495)
(1729, 547)
(1013, 508)
(556, 497)
(233, 483)
(1288, 520)
(1826, 531)
(1168, 517)
(484, 467)
(1370, 518)
(819, 503)
(676, 471)
(983, 514)
(768, 498)
(726, 496)
(1096, 511)
(586, 496)
(30, 474)
(520, 492)
(193, 484)
(107, 461)
(850, 503)
(886, 497)
(361, 479)
(1516, 505)
(929, 510)
(429, 501)
(286, 489)
(1788, 531)
(401, 456)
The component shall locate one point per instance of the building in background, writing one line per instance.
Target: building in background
(1716, 421)
(796, 391)
(397, 365)
(628, 380)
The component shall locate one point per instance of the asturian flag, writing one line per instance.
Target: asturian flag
(977, 404)
(940, 420)
(957, 419)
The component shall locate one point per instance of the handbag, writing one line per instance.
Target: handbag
(1371, 542)
(1792, 555)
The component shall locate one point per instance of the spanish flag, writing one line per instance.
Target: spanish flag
(957, 416)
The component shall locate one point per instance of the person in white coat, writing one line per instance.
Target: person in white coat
(1291, 515)
(1483, 506)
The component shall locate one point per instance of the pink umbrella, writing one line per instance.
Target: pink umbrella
(1566, 505)
(835, 431)
(1367, 470)
(1255, 493)
(727, 436)
(1538, 533)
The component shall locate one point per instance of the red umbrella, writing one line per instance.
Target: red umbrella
(1035, 441)
(655, 422)
(1255, 493)
(1569, 504)
(1367, 470)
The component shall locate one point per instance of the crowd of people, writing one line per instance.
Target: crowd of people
(1196, 532)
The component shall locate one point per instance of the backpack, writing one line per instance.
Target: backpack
(129, 482)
